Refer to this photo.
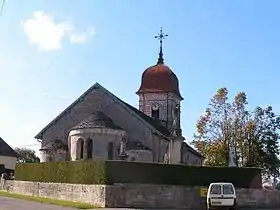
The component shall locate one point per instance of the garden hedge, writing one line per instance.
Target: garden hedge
(78, 172)
(109, 172)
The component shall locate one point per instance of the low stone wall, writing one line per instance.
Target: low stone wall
(93, 194)
(258, 198)
(138, 196)
(158, 196)
(154, 196)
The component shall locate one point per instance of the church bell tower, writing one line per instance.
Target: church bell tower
(159, 95)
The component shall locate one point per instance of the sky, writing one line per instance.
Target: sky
(52, 51)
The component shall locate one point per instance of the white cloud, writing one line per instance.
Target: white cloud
(48, 34)
(81, 38)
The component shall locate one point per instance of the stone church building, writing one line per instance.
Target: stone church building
(101, 126)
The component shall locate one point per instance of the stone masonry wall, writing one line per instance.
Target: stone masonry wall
(166, 102)
(97, 100)
(137, 130)
(139, 195)
(93, 194)
(191, 159)
(180, 197)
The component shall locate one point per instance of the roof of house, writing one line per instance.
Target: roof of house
(6, 150)
(56, 144)
(192, 150)
(97, 120)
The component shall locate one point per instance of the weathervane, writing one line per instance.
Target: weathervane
(161, 36)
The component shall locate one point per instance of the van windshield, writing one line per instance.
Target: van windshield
(228, 189)
(215, 189)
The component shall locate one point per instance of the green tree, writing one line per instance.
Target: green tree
(268, 135)
(239, 127)
(26, 155)
(213, 130)
(255, 134)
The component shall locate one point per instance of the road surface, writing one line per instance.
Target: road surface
(17, 204)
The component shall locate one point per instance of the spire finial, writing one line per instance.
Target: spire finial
(161, 36)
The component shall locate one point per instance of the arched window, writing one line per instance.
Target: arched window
(110, 151)
(155, 111)
(155, 114)
(89, 148)
(80, 149)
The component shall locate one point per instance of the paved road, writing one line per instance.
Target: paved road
(18, 204)
(14, 204)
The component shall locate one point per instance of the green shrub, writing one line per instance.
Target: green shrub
(109, 172)
(79, 172)
(133, 172)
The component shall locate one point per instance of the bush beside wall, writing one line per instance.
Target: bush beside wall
(78, 172)
(150, 173)
(110, 172)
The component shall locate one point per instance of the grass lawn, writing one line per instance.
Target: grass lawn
(77, 205)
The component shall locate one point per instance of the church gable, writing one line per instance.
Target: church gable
(96, 98)
(92, 100)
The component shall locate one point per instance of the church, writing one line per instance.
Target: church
(101, 126)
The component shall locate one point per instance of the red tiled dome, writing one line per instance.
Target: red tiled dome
(159, 78)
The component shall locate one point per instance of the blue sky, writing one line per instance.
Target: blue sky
(51, 51)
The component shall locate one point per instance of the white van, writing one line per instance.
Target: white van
(221, 194)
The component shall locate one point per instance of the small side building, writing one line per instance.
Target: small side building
(8, 156)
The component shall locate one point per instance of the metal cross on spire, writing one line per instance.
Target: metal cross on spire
(161, 36)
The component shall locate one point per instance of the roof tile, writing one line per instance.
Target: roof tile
(6, 150)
